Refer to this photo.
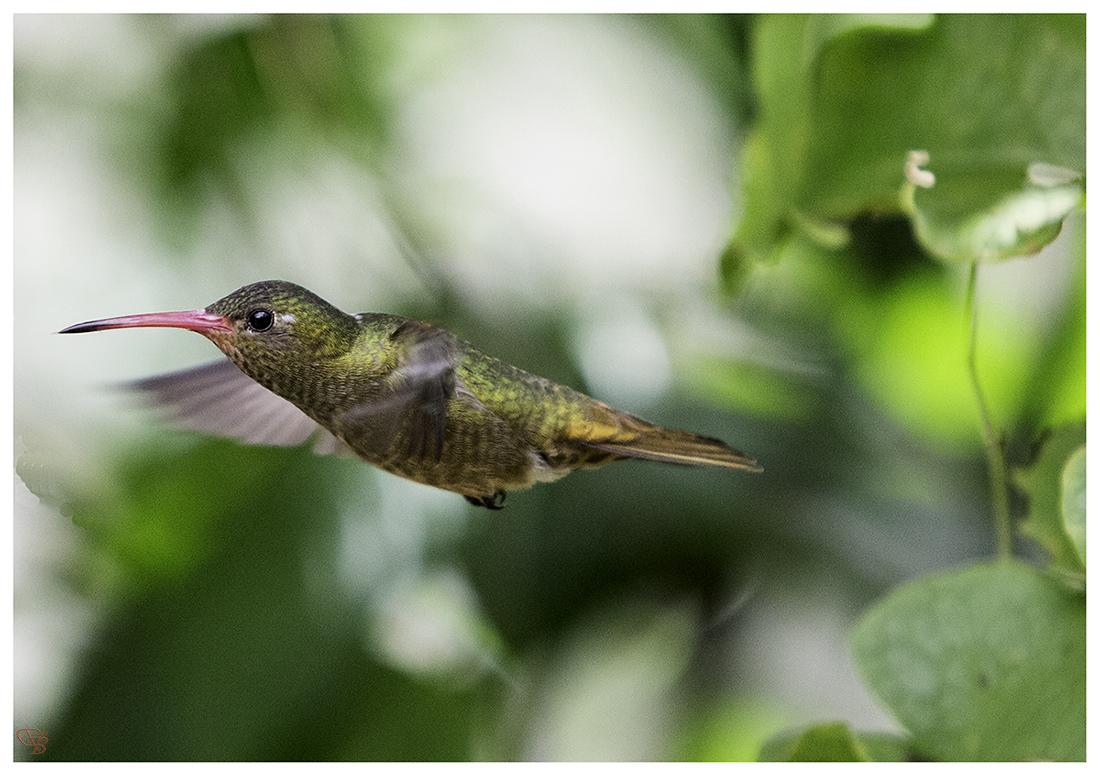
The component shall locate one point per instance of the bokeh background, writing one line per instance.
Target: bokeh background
(560, 191)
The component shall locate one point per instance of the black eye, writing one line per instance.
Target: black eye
(260, 320)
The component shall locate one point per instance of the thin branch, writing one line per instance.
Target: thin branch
(994, 447)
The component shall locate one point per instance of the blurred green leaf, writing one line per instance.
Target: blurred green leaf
(284, 85)
(749, 387)
(1073, 500)
(833, 742)
(912, 350)
(730, 732)
(237, 638)
(986, 663)
(168, 506)
(886, 748)
(1044, 484)
(915, 362)
(986, 95)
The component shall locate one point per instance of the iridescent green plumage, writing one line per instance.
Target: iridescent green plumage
(403, 395)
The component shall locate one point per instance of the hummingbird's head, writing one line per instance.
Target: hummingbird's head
(276, 320)
(268, 326)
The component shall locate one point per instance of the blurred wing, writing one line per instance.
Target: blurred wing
(417, 393)
(221, 399)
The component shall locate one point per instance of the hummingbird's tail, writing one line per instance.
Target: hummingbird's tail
(639, 439)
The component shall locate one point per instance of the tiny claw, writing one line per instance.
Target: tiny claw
(494, 502)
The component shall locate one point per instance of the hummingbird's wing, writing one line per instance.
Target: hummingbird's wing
(221, 399)
(411, 410)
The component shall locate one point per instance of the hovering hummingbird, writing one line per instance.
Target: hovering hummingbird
(403, 395)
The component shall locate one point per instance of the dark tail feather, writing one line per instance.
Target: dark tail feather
(671, 445)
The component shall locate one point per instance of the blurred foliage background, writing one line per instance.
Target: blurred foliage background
(703, 220)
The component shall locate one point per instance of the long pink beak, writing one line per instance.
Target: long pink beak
(192, 320)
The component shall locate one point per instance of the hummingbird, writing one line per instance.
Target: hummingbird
(403, 395)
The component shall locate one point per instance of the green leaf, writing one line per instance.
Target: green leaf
(986, 663)
(886, 748)
(833, 742)
(1046, 520)
(1073, 500)
(776, 151)
(733, 730)
(996, 214)
(988, 96)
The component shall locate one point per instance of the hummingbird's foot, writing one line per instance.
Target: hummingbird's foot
(495, 501)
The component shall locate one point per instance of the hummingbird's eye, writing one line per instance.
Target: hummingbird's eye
(260, 320)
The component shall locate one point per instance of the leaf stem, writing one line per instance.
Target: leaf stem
(994, 447)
